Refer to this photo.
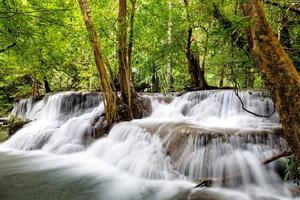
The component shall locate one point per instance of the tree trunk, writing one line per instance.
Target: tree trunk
(170, 79)
(197, 75)
(279, 72)
(131, 32)
(110, 96)
(124, 71)
(131, 104)
(46, 85)
(205, 53)
(154, 79)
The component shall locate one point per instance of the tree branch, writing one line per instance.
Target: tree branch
(248, 111)
(283, 6)
(277, 156)
(8, 47)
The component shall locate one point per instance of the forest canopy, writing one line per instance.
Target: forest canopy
(44, 45)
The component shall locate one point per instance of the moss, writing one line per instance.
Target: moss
(15, 123)
(3, 133)
(10, 125)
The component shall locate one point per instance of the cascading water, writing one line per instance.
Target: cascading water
(197, 136)
(62, 123)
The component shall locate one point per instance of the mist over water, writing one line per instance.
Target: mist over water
(198, 136)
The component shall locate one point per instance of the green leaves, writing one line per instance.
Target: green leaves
(51, 43)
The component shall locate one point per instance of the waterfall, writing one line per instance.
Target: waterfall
(198, 136)
(61, 123)
(220, 109)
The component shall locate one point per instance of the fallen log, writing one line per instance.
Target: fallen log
(277, 156)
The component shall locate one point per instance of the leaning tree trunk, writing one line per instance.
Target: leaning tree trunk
(279, 72)
(110, 96)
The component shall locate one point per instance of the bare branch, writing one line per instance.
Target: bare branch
(283, 6)
(248, 111)
(277, 156)
(8, 47)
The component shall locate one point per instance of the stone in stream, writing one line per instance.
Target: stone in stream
(177, 136)
(218, 194)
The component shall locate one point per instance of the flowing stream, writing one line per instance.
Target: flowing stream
(197, 137)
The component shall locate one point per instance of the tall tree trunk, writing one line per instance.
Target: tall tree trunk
(193, 62)
(197, 75)
(205, 53)
(170, 79)
(131, 32)
(124, 71)
(154, 79)
(279, 72)
(132, 107)
(110, 96)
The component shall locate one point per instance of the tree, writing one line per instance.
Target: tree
(279, 72)
(110, 96)
(132, 107)
(170, 64)
(197, 74)
(131, 32)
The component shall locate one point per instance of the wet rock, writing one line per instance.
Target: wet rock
(15, 123)
(101, 127)
(205, 195)
(180, 135)
(147, 107)
(177, 136)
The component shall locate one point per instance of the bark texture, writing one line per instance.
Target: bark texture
(131, 32)
(170, 80)
(279, 72)
(131, 105)
(110, 96)
(197, 75)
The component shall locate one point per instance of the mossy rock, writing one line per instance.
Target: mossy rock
(3, 133)
(14, 124)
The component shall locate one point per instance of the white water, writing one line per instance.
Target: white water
(132, 162)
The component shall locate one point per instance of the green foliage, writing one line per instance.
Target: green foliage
(292, 171)
(3, 133)
(51, 43)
